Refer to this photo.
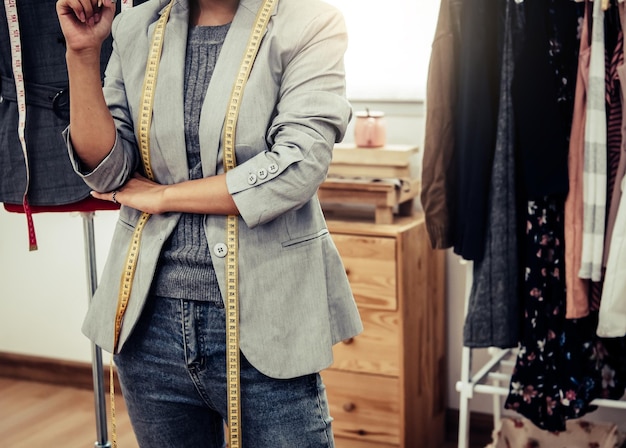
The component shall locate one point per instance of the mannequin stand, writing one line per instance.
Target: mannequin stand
(96, 352)
(87, 208)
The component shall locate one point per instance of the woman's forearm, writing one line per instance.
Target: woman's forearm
(204, 196)
(92, 128)
(207, 196)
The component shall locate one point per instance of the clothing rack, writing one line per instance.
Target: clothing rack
(492, 378)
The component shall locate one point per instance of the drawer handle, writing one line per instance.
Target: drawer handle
(348, 341)
(349, 407)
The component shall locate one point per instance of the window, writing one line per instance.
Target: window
(389, 47)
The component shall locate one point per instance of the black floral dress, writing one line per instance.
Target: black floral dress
(561, 365)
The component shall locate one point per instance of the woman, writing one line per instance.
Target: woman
(294, 297)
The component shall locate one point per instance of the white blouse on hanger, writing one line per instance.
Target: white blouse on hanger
(612, 317)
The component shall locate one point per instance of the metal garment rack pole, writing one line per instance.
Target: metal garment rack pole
(466, 369)
(491, 381)
(96, 352)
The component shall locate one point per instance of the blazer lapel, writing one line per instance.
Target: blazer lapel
(221, 85)
(168, 116)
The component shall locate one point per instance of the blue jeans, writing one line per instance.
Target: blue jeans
(173, 376)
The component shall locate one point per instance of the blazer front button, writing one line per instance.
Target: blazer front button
(220, 250)
(273, 168)
(252, 178)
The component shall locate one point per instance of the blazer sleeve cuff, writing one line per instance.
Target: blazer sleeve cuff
(104, 177)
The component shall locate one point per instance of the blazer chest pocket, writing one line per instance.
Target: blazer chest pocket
(304, 239)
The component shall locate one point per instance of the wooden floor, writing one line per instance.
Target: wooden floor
(34, 415)
(40, 415)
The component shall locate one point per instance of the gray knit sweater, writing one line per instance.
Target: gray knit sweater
(185, 269)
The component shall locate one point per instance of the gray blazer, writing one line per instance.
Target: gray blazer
(295, 300)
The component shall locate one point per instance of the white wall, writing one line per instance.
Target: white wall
(44, 294)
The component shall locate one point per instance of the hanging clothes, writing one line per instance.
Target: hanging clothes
(542, 124)
(594, 170)
(479, 73)
(577, 289)
(612, 317)
(614, 44)
(562, 365)
(522, 141)
(614, 57)
(493, 317)
(616, 193)
(438, 163)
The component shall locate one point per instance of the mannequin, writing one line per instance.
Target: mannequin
(53, 185)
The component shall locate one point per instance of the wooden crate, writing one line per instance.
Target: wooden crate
(387, 197)
(382, 179)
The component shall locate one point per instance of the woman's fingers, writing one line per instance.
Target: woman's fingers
(83, 10)
(111, 196)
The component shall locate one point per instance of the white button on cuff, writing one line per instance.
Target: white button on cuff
(220, 250)
(252, 178)
(273, 168)
(262, 173)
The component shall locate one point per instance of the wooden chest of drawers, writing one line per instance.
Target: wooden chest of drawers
(386, 386)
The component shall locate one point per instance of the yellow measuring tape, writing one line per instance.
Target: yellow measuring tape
(232, 229)
(232, 225)
(145, 120)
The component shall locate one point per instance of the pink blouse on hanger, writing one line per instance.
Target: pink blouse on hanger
(577, 288)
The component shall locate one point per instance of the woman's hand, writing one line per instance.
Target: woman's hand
(139, 193)
(85, 23)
